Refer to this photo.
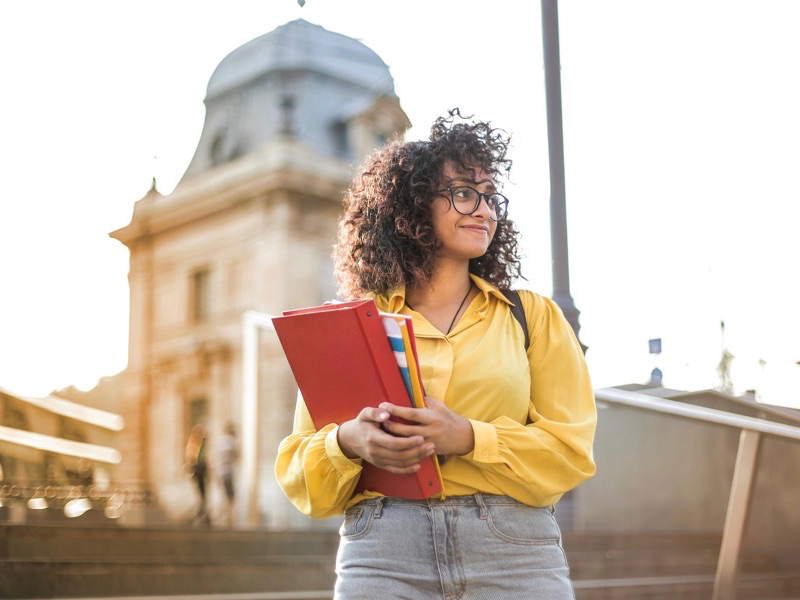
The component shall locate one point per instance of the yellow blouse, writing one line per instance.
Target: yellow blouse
(533, 416)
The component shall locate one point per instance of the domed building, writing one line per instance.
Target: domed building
(248, 229)
(300, 80)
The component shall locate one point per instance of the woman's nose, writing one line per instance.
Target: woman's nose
(484, 210)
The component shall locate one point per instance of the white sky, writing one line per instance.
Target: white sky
(682, 137)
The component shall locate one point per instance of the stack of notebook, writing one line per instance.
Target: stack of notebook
(348, 356)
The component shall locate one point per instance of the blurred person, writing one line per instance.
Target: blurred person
(227, 456)
(425, 234)
(197, 466)
(85, 473)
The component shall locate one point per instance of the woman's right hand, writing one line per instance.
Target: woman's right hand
(363, 437)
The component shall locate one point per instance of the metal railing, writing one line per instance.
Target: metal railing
(752, 429)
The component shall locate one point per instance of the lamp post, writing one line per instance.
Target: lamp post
(555, 143)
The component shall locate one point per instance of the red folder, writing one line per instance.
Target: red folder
(342, 362)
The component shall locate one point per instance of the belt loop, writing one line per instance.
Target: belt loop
(481, 506)
(379, 507)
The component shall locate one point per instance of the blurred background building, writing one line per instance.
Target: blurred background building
(250, 227)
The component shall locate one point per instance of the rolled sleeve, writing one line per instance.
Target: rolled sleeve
(312, 470)
(340, 462)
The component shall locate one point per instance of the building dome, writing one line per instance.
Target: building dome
(301, 81)
(302, 46)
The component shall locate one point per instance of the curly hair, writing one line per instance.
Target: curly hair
(386, 237)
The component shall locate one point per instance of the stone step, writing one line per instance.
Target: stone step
(38, 561)
(783, 586)
(641, 540)
(66, 543)
(25, 579)
(659, 562)
(296, 595)
(301, 595)
(57, 541)
(752, 586)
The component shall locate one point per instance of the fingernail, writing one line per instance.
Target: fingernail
(383, 415)
(416, 468)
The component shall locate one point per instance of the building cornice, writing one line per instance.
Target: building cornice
(284, 165)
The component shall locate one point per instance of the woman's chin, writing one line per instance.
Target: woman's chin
(470, 255)
(478, 252)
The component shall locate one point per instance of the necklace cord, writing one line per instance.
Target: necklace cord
(460, 306)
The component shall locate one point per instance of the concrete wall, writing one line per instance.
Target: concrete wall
(662, 473)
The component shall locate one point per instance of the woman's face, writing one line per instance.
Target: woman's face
(462, 236)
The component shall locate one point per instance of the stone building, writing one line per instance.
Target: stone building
(249, 227)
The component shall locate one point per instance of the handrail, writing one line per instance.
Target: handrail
(700, 413)
(769, 410)
(744, 471)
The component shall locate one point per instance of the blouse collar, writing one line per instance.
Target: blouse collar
(395, 299)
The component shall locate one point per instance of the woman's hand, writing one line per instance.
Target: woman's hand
(363, 437)
(449, 432)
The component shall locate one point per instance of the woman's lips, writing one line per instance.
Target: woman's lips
(476, 228)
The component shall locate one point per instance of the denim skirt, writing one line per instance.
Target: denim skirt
(480, 547)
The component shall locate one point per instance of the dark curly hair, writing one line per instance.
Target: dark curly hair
(386, 236)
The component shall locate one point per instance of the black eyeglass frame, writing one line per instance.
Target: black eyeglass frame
(481, 196)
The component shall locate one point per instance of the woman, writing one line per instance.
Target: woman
(425, 234)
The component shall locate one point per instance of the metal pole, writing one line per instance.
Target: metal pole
(555, 142)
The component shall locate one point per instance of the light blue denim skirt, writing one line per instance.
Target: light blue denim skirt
(479, 547)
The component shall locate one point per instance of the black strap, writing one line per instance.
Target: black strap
(518, 312)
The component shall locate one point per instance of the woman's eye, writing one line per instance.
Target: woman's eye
(462, 193)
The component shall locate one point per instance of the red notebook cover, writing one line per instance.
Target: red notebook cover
(342, 362)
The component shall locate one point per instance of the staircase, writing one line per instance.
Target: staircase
(63, 561)
(47, 561)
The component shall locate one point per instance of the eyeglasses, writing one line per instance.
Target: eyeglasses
(466, 201)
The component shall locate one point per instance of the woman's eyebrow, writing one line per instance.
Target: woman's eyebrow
(472, 181)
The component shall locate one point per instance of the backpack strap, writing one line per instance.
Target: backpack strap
(518, 312)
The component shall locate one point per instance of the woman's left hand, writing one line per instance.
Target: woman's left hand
(449, 432)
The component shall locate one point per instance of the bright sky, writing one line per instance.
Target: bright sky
(682, 138)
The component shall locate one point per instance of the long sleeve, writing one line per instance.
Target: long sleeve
(536, 463)
(312, 470)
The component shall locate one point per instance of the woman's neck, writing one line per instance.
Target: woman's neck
(449, 284)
